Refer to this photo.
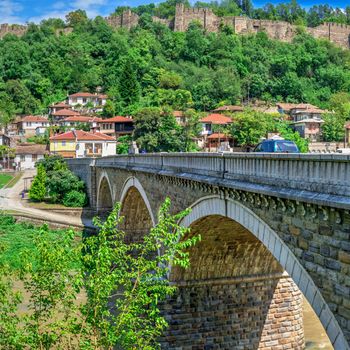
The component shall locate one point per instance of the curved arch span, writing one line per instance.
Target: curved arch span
(215, 206)
(133, 182)
(104, 196)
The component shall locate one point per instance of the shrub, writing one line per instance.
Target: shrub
(75, 199)
(37, 191)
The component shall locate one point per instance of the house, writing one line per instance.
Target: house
(117, 126)
(74, 121)
(28, 154)
(210, 120)
(33, 125)
(229, 108)
(58, 107)
(306, 119)
(218, 142)
(306, 111)
(4, 140)
(180, 118)
(309, 129)
(80, 144)
(63, 114)
(84, 98)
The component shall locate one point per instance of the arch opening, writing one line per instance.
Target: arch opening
(234, 289)
(104, 199)
(137, 219)
(244, 288)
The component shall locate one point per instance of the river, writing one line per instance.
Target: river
(315, 336)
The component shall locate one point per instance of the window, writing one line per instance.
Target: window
(29, 124)
(35, 157)
(84, 100)
(23, 158)
(63, 143)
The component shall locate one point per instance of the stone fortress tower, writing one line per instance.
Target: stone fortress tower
(279, 30)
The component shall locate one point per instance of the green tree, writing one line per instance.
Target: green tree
(125, 284)
(129, 86)
(37, 190)
(123, 144)
(333, 128)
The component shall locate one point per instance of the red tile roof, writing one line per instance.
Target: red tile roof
(61, 105)
(88, 94)
(31, 149)
(82, 119)
(219, 136)
(229, 108)
(81, 135)
(178, 114)
(65, 112)
(216, 118)
(117, 119)
(34, 118)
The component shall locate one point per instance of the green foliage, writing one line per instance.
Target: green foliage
(4, 179)
(37, 190)
(62, 186)
(124, 283)
(334, 127)
(156, 130)
(250, 127)
(61, 182)
(123, 144)
(152, 66)
(75, 198)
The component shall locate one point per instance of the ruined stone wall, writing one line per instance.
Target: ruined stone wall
(12, 29)
(127, 19)
(278, 30)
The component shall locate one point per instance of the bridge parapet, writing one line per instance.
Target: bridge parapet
(321, 179)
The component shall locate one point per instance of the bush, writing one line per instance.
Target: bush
(75, 199)
(61, 182)
(37, 191)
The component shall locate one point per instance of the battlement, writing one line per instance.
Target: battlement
(279, 30)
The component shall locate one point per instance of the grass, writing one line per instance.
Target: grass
(17, 237)
(4, 179)
(14, 180)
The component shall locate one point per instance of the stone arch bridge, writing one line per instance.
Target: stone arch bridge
(273, 227)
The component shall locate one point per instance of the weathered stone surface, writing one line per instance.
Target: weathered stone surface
(319, 244)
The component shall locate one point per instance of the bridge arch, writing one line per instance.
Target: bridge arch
(238, 217)
(104, 196)
(136, 210)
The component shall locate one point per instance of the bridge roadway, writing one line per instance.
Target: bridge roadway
(273, 227)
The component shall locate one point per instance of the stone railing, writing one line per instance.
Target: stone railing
(327, 173)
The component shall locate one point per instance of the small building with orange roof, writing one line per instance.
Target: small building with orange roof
(117, 126)
(31, 125)
(214, 119)
(81, 144)
(63, 114)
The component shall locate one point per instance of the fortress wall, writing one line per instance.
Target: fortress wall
(337, 33)
(15, 29)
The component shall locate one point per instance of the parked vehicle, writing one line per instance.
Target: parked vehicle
(277, 146)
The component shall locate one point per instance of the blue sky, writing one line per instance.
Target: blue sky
(21, 11)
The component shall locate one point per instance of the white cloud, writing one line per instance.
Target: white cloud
(9, 11)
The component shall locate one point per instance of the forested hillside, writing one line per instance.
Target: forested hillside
(154, 66)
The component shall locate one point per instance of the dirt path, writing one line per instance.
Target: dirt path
(10, 199)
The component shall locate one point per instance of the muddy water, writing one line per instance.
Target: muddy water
(315, 336)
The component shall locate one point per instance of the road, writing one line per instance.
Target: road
(10, 199)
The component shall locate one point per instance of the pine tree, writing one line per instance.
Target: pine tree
(129, 87)
(37, 191)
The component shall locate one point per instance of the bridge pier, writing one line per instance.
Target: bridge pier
(260, 312)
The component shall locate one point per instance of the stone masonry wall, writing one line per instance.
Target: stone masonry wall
(279, 30)
(318, 236)
(260, 314)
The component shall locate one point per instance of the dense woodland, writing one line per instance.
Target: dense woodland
(152, 66)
